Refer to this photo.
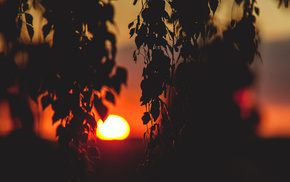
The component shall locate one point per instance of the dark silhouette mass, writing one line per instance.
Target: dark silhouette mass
(194, 77)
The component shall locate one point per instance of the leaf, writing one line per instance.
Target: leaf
(138, 41)
(130, 24)
(239, 2)
(257, 10)
(59, 130)
(146, 118)
(94, 152)
(46, 29)
(101, 109)
(110, 97)
(132, 31)
(155, 109)
(25, 7)
(213, 5)
(91, 120)
(29, 18)
(45, 101)
(121, 74)
(135, 1)
(30, 31)
(61, 109)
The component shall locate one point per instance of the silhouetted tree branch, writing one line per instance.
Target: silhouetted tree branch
(195, 71)
(70, 73)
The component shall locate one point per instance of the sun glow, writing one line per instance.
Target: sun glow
(114, 128)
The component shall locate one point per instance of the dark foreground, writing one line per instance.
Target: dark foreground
(27, 158)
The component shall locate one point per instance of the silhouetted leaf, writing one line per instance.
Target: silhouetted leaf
(101, 109)
(213, 5)
(25, 7)
(61, 109)
(94, 152)
(238, 1)
(30, 31)
(109, 12)
(121, 74)
(138, 41)
(155, 109)
(91, 120)
(146, 118)
(56, 116)
(132, 31)
(257, 10)
(110, 97)
(135, 1)
(46, 29)
(45, 101)
(130, 24)
(28, 18)
(59, 130)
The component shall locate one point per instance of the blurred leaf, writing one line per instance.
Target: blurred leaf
(109, 10)
(91, 120)
(61, 109)
(45, 101)
(110, 97)
(238, 1)
(29, 18)
(132, 31)
(130, 24)
(59, 130)
(155, 109)
(135, 1)
(94, 152)
(138, 41)
(101, 109)
(25, 7)
(146, 118)
(46, 29)
(121, 74)
(213, 5)
(257, 10)
(30, 31)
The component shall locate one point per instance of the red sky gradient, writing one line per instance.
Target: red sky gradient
(272, 85)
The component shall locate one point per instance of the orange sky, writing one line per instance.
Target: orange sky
(274, 27)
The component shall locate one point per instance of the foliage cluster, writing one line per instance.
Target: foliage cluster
(76, 74)
(186, 59)
(163, 40)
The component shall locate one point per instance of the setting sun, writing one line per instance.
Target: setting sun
(114, 128)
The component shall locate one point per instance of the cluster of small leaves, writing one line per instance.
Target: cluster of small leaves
(160, 35)
(163, 38)
(83, 66)
(151, 41)
(23, 9)
(78, 73)
(243, 33)
(190, 20)
(13, 16)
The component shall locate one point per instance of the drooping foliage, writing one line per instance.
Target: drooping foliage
(192, 70)
(75, 74)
